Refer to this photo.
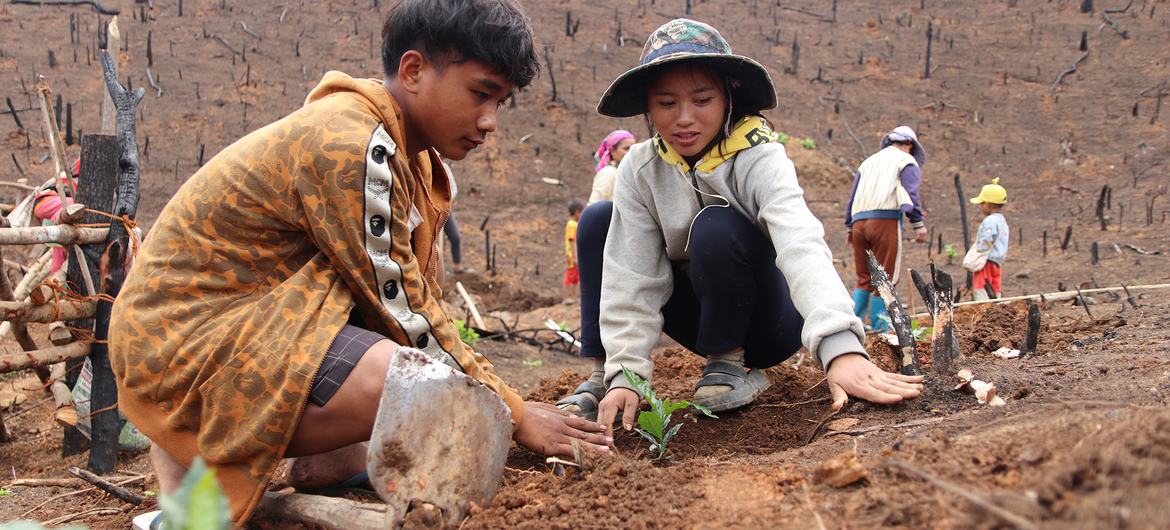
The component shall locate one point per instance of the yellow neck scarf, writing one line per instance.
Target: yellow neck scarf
(750, 131)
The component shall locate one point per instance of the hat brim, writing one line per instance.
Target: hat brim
(976, 200)
(626, 96)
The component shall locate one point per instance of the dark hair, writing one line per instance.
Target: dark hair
(575, 206)
(494, 32)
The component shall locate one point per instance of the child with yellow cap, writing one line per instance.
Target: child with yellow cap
(987, 254)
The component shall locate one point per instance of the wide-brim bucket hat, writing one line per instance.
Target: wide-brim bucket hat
(903, 133)
(683, 40)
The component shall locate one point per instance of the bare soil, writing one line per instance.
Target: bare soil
(1082, 441)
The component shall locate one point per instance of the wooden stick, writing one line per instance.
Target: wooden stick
(327, 512)
(82, 515)
(106, 486)
(113, 42)
(50, 312)
(43, 357)
(56, 149)
(63, 482)
(912, 423)
(93, 3)
(974, 498)
(60, 234)
(470, 305)
(1058, 296)
(1060, 77)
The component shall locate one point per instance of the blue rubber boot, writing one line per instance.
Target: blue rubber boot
(860, 303)
(879, 318)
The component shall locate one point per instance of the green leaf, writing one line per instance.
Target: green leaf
(649, 437)
(652, 423)
(702, 409)
(670, 407)
(641, 386)
(533, 363)
(4, 492)
(208, 508)
(198, 504)
(670, 434)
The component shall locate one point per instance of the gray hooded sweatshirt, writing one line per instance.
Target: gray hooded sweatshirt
(655, 204)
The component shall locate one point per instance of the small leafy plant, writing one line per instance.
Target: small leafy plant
(783, 138)
(808, 143)
(199, 504)
(533, 362)
(466, 334)
(4, 492)
(920, 332)
(654, 424)
(951, 253)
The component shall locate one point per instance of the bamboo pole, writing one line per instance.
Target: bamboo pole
(60, 169)
(1058, 296)
(470, 305)
(49, 312)
(62, 234)
(43, 357)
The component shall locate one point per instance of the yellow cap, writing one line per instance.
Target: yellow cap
(992, 193)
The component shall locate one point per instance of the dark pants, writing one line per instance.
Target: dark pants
(730, 295)
(451, 229)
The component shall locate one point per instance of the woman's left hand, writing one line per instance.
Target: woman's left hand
(854, 375)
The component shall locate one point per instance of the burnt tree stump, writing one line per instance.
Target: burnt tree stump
(900, 319)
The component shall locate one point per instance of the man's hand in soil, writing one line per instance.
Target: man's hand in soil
(550, 431)
(854, 375)
(920, 235)
(618, 400)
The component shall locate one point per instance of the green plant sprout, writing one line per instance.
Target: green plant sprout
(950, 250)
(654, 424)
(533, 363)
(466, 334)
(783, 138)
(808, 143)
(920, 332)
(199, 504)
(4, 492)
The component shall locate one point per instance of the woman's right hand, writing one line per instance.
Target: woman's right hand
(618, 400)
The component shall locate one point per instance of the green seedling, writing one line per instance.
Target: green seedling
(783, 138)
(654, 424)
(199, 504)
(4, 492)
(808, 143)
(951, 253)
(466, 334)
(920, 332)
(534, 363)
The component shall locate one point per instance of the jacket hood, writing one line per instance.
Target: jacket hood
(368, 91)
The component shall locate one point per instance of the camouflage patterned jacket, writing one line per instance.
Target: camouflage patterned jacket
(255, 265)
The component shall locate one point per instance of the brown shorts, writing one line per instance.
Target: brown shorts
(345, 352)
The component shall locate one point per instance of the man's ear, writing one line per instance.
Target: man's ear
(410, 69)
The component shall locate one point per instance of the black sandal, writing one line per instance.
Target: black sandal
(745, 385)
(586, 397)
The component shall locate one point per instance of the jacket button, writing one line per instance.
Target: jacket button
(390, 289)
(422, 341)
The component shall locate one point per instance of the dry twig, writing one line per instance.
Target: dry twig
(974, 498)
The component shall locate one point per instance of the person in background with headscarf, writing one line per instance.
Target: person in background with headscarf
(609, 155)
(885, 187)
